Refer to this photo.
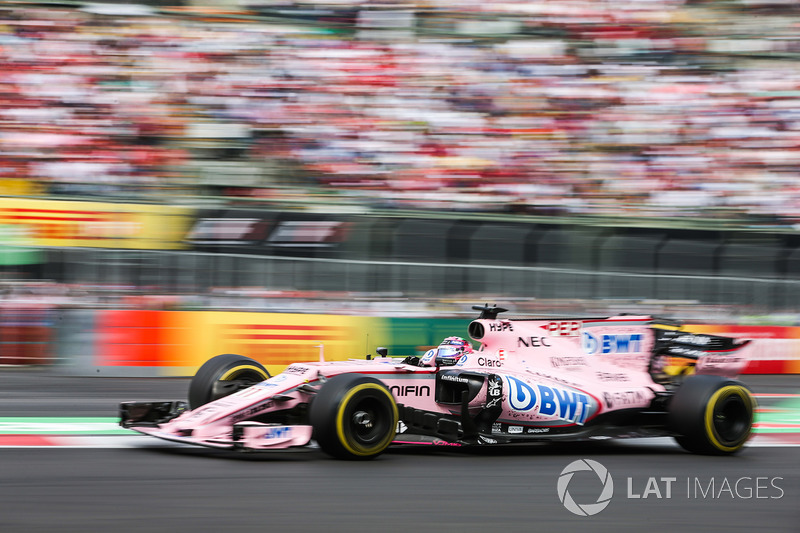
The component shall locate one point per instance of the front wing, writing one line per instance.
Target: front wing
(149, 418)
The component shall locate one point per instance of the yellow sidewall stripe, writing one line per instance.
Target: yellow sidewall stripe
(353, 447)
(718, 396)
(233, 372)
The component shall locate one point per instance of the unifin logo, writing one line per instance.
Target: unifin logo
(607, 344)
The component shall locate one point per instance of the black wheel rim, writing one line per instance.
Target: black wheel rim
(241, 380)
(731, 419)
(369, 421)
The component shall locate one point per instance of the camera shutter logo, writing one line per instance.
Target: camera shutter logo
(588, 509)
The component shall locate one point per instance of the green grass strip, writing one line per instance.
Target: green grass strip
(61, 426)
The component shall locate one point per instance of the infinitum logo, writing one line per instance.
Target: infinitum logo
(586, 509)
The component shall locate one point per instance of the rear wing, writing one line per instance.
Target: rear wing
(711, 354)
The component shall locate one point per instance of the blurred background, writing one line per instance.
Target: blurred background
(389, 159)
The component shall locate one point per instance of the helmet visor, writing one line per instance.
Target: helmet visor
(449, 351)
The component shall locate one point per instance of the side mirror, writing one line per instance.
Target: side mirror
(383, 352)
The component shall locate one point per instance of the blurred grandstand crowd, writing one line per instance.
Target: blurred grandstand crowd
(624, 107)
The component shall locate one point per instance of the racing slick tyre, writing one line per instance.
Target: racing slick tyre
(354, 417)
(711, 415)
(223, 375)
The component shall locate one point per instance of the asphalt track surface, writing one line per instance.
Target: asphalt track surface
(155, 486)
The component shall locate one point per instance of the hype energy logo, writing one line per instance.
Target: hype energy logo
(608, 344)
(557, 402)
(585, 509)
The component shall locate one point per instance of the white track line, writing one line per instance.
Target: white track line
(143, 441)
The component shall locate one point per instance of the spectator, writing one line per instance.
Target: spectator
(625, 109)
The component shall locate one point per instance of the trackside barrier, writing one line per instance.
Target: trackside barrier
(175, 343)
(182, 272)
(178, 342)
(75, 346)
(25, 334)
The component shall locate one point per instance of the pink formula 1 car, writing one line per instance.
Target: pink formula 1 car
(530, 380)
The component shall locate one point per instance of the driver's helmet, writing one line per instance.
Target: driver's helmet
(447, 353)
(451, 349)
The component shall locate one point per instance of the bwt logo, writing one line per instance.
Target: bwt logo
(586, 509)
(281, 432)
(607, 344)
(548, 401)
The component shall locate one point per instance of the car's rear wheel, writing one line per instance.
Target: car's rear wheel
(354, 417)
(223, 375)
(712, 415)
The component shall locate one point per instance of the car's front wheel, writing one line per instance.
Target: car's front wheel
(712, 415)
(223, 375)
(354, 417)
